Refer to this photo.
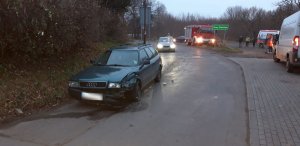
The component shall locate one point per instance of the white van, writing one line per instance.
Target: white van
(288, 44)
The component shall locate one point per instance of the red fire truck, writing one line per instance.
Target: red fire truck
(199, 35)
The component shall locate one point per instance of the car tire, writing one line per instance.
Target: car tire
(275, 58)
(288, 65)
(158, 76)
(136, 94)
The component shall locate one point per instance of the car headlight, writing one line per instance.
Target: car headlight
(213, 40)
(73, 84)
(199, 40)
(114, 85)
(160, 46)
(173, 46)
(174, 40)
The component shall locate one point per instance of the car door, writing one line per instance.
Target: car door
(152, 63)
(156, 61)
(145, 70)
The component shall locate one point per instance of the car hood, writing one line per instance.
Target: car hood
(104, 73)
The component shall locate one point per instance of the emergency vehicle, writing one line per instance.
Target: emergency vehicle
(199, 35)
(262, 36)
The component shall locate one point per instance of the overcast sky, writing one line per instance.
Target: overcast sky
(213, 8)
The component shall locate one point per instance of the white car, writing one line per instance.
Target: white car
(166, 44)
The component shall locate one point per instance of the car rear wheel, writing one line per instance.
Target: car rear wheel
(275, 58)
(289, 67)
(136, 94)
(158, 76)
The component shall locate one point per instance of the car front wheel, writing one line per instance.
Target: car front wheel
(136, 94)
(158, 76)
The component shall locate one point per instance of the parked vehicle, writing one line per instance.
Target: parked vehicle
(199, 35)
(262, 36)
(166, 44)
(287, 49)
(180, 39)
(119, 74)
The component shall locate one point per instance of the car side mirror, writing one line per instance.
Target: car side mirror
(145, 62)
(92, 61)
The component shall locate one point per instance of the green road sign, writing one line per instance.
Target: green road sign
(220, 26)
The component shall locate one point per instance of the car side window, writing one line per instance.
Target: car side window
(143, 56)
(150, 54)
(153, 51)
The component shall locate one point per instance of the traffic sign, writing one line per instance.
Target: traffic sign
(142, 15)
(220, 26)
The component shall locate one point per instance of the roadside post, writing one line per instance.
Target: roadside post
(223, 27)
(145, 12)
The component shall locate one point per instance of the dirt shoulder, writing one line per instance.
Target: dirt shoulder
(232, 49)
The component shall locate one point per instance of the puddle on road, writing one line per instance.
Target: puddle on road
(90, 111)
(136, 107)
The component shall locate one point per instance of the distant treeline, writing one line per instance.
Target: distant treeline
(242, 21)
(36, 28)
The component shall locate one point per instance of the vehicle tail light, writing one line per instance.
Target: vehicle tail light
(296, 44)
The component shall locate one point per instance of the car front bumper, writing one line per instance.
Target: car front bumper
(206, 42)
(166, 48)
(108, 95)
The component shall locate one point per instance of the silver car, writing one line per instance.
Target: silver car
(166, 44)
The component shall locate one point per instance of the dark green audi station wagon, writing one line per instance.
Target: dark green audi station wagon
(119, 74)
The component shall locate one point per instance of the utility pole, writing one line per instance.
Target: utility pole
(145, 15)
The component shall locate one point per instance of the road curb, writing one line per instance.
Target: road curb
(252, 131)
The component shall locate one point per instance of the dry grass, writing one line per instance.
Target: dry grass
(225, 49)
(41, 86)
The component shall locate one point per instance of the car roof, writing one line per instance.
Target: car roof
(131, 47)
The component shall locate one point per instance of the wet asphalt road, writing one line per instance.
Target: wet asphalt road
(201, 100)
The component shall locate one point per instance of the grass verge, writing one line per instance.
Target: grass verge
(33, 88)
(225, 49)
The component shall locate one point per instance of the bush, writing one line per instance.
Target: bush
(38, 28)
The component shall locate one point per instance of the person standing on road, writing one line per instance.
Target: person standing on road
(240, 41)
(276, 39)
(247, 41)
(269, 44)
(254, 41)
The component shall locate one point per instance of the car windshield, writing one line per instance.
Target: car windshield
(163, 39)
(119, 58)
(205, 30)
